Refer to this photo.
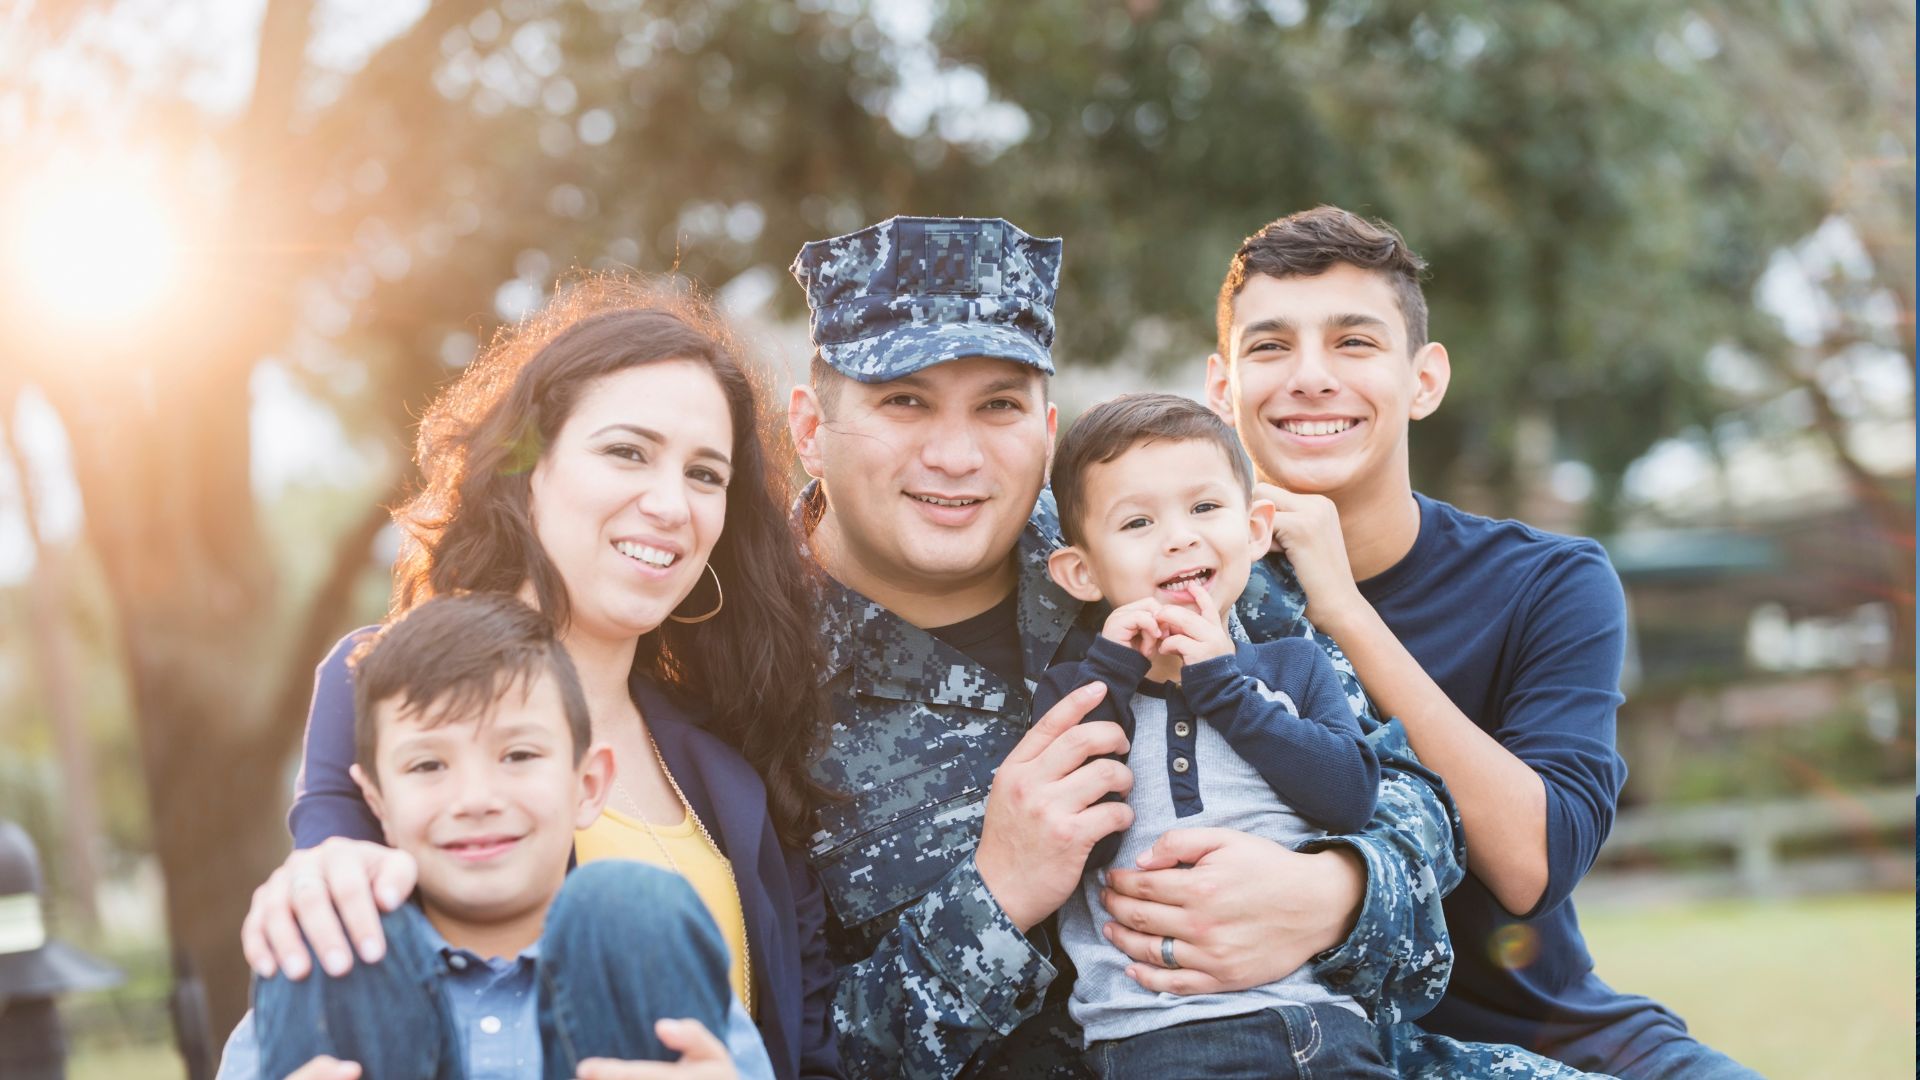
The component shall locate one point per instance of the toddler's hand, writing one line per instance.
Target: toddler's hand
(1194, 637)
(1135, 625)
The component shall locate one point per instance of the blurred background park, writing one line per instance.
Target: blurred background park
(1673, 258)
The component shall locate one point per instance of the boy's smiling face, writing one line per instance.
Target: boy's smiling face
(487, 806)
(1161, 515)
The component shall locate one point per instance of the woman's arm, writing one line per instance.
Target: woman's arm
(326, 801)
(339, 877)
(819, 1050)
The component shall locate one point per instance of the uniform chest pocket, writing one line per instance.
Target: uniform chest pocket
(884, 848)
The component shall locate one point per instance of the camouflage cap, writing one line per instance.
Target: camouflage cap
(911, 292)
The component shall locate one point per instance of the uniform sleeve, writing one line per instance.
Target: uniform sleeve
(1560, 706)
(956, 976)
(953, 977)
(1312, 755)
(326, 801)
(1397, 958)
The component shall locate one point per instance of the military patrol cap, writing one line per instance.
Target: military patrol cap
(912, 292)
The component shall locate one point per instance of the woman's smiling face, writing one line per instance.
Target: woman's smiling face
(631, 496)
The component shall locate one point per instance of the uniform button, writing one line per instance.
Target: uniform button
(490, 1025)
(1182, 729)
(1181, 765)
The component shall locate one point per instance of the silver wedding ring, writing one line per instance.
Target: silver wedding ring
(1166, 955)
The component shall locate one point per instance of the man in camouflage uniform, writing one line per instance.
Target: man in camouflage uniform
(927, 431)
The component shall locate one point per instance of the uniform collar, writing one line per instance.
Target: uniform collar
(893, 658)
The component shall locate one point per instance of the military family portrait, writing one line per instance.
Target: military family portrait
(1128, 540)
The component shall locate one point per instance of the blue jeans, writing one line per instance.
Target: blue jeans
(625, 944)
(1287, 1042)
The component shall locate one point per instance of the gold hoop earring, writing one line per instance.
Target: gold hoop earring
(717, 604)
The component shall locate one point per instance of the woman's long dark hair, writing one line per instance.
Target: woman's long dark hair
(752, 668)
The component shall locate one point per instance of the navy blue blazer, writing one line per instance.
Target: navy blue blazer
(779, 895)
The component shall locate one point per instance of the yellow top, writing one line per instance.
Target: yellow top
(618, 836)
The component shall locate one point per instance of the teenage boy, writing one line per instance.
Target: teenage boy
(1497, 645)
(1156, 503)
(471, 738)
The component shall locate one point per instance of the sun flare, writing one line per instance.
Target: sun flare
(91, 245)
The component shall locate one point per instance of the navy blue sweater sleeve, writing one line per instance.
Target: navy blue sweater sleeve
(1107, 661)
(1560, 705)
(1316, 760)
(819, 1052)
(326, 801)
(1121, 669)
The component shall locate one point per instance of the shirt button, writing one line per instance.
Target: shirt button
(457, 963)
(1181, 765)
(490, 1025)
(1183, 729)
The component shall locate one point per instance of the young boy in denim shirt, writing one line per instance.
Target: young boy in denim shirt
(473, 750)
(1155, 501)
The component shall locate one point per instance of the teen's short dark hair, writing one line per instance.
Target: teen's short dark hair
(1111, 428)
(1309, 243)
(453, 658)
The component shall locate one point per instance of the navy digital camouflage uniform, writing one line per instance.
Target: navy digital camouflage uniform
(935, 980)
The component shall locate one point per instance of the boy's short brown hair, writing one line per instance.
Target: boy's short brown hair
(451, 658)
(1113, 427)
(1308, 244)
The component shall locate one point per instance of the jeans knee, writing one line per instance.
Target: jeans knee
(620, 897)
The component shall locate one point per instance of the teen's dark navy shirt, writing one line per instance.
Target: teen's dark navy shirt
(1526, 632)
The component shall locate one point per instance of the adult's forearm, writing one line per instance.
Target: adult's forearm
(953, 976)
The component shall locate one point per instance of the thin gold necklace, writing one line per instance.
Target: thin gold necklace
(639, 815)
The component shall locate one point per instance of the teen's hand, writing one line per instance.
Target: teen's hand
(1044, 812)
(1306, 529)
(333, 893)
(326, 1068)
(1192, 636)
(1242, 911)
(1135, 625)
(702, 1057)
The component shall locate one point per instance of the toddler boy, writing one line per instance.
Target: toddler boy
(1155, 500)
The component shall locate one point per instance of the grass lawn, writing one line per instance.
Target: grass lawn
(1797, 989)
(1805, 988)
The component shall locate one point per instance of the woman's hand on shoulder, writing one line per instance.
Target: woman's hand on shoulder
(702, 1057)
(332, 894)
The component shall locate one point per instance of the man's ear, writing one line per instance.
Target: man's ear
(1068, 568)
(596, 783)
(1053, 429)
(1433, 370)
(370, 791)
(804, 419)
(1260, 527)
(1220, 387)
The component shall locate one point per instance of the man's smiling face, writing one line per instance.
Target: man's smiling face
(1320, 383)
(932, 477)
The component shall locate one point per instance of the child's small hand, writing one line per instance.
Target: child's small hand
(1194, 636)
(1135, 625)
(702, 1057)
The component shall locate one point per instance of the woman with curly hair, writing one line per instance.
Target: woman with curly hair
(605, 461)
